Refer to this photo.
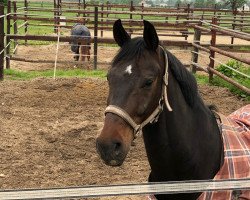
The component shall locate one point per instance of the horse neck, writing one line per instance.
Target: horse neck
(184, 144)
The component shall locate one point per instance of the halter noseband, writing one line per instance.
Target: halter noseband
(155, 114)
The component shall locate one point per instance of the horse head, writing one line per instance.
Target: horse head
(135, 81)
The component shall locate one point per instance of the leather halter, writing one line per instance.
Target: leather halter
(155, 114)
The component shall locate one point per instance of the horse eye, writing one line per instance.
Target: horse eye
(148, 83)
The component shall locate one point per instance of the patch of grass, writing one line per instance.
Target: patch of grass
(245, 48)
(243, 80)
(11, 74)
(217, 81)
(220, 82)
(201, 79)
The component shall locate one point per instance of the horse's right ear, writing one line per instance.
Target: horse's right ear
(120, 35)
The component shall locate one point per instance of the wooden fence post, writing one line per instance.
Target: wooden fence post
(79, 7)
(15, 26)
(142, 10)
(26, 25)
(195, 56)
(215, 9)
(233, 27)
(107, 9)
(177, 17)
(131, 17)
(84, 15)
(60, 7)
(1, 40)
(55, 17)
(102, 7)
(188, 11)
(59, 13)
(84, 4)
(7, 61)
(242, 18)
(212, 53)
(95, 37)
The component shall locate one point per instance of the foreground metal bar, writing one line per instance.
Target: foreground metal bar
(129, 189)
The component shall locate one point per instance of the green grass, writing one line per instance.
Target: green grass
(239, 78)
(220, 82)
(245, 48)
(201, 79)
(217, 81)
(11, 74)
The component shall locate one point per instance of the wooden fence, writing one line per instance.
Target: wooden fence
(214, 29)
(100, 21)
(237, 19)
(96, 24)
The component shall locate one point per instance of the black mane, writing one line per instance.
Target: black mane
(186, 80)
(136, 46)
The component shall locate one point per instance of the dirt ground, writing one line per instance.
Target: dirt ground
(48, 127)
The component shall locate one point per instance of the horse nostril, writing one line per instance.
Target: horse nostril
(117, 147)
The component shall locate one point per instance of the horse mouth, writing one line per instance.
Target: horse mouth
(113, 162)
(110, 156)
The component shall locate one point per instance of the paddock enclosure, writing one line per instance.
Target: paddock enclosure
(48, 126)
(48, 131)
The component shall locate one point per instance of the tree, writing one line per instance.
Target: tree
(234, 4)
(3, 1)
(210, 3)
(199, 3)
(178, 2)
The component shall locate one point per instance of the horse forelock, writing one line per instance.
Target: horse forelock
(130, 51)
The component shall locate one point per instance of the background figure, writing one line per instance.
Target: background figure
(82, 48)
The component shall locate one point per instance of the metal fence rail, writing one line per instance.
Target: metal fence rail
(128, 189)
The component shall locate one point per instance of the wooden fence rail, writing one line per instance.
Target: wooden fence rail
(212, 49)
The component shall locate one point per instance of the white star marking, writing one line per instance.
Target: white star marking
(129, 69)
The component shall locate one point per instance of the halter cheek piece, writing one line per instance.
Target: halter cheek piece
(155, 114)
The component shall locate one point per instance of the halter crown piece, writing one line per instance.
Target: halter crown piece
(155, 114)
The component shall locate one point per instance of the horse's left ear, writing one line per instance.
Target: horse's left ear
(150, 36)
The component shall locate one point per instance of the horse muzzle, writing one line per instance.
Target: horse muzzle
(112, 153)
(114, 142)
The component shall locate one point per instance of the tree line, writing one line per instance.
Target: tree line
(225, 4)
(3, 1)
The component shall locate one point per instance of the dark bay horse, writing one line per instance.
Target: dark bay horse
(81, 49)
(150, 91)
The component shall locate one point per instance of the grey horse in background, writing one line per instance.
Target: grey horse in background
(81, 49)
